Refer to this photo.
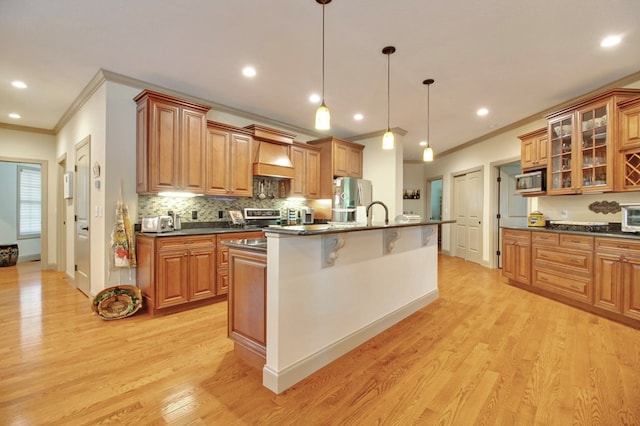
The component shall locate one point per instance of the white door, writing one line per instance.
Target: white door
(81, 202)
(468, 203)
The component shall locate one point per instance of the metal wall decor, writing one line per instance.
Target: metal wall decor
(604, 207)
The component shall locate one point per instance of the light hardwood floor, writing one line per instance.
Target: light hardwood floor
(485, 353)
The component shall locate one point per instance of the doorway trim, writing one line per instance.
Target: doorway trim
(61, 228)
(493, 209)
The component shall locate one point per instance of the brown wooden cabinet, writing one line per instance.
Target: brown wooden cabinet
(176, 271)
(582, 139)
(170, 140)
(247, 303)
(617, 277)
(516, 260)
(228, 161)
(222, 257)
(628, 172)
(306, 164)
(534, 150)
(563, 264)
(338, 158)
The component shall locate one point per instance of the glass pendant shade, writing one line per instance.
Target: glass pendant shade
(427, 154)
(388, 140)
(323, 117)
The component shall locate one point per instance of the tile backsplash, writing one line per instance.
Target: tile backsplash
(208, 208)
(576, 207)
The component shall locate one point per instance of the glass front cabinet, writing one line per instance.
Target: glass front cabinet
(582, 144)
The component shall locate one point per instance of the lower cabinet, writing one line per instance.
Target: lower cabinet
(222, 257)
(176, 272)
(598, 274)
(563, 264)
(617, 278)
(247, 304)
(516, 264)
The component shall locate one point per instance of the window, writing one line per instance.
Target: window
(29, 204)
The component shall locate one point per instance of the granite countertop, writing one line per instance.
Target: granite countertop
(609, 233)
(321, 229)
(256, 244)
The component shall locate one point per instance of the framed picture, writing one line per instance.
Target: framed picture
(236, 217)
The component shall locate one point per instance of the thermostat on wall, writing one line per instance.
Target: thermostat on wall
(68, 185)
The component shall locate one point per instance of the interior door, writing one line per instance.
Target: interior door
(468, 199)
(82, 235)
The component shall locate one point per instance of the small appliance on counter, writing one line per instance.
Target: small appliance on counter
(630, 217)
(261, 218)
(157, 224)
(307, 215)
(537, 219)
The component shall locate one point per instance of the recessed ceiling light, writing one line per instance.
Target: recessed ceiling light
(14, 115)
(315, 98)
(610, 41)
(19, 84)
(482, 112)
(423, 143)
(249, 71)
(358, 117)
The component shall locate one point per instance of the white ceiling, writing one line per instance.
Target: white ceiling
(515, 58)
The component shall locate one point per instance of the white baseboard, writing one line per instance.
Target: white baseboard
(278, 382)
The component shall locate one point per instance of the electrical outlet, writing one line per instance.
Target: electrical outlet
(564, 214)
(220, 214)
(194, 214)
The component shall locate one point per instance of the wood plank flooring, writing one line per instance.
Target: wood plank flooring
(485, 353)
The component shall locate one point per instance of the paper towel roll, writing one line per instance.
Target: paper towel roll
(361, 215)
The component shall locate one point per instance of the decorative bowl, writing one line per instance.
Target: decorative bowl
(117, 302)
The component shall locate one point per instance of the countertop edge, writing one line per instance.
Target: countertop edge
(338, 230)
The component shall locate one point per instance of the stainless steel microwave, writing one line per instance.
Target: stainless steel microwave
(531, 182)
(630, 217)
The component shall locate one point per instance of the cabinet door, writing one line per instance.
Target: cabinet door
(172, 278)
(142, 148)
(528, 155)
(516, 260)
(297, 185)
(630, 127)
(341, 164)
(217, 154)
(355, 162)
(164, 147)
(193, 140)
(202, 273)
(561, 176)
(239, 166)
(608, 282)
(631, 300)
(312, 174)
(594, 149)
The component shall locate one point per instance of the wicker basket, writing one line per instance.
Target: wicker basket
(117, 302)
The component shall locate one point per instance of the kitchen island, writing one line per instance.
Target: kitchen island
(330, 289)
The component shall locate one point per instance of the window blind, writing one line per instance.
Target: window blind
(29, 202)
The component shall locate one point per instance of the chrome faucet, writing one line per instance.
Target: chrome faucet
(386, 213)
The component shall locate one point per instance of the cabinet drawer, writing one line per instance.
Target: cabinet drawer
(523, 237)
(576, 241)
(186, 242)
(571, 261)
(546, 238)
(566, 284)
(618, 246)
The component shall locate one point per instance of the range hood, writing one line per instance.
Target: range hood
(271, 154)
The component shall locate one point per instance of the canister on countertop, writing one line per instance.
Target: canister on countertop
(536, 219)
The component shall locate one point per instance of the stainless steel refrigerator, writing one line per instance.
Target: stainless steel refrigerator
(348, 194)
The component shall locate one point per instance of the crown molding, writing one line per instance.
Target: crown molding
(26, 129)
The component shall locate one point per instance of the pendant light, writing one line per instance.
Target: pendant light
(323, 117)
(427, 154)
(388, 140)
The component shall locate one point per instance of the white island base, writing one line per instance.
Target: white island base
(329, 293)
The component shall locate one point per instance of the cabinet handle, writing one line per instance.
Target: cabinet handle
(185, 254)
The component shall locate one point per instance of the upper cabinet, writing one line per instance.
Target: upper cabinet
(534, 150)
(170, 139)
(582, 140)
(628, 177)
(338, 158)
(306, 164)
(228, 161)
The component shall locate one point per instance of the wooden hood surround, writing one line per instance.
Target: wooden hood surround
(271, 152)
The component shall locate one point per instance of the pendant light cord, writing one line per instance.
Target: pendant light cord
(323, 4)
(388, 87)
(428, 113)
